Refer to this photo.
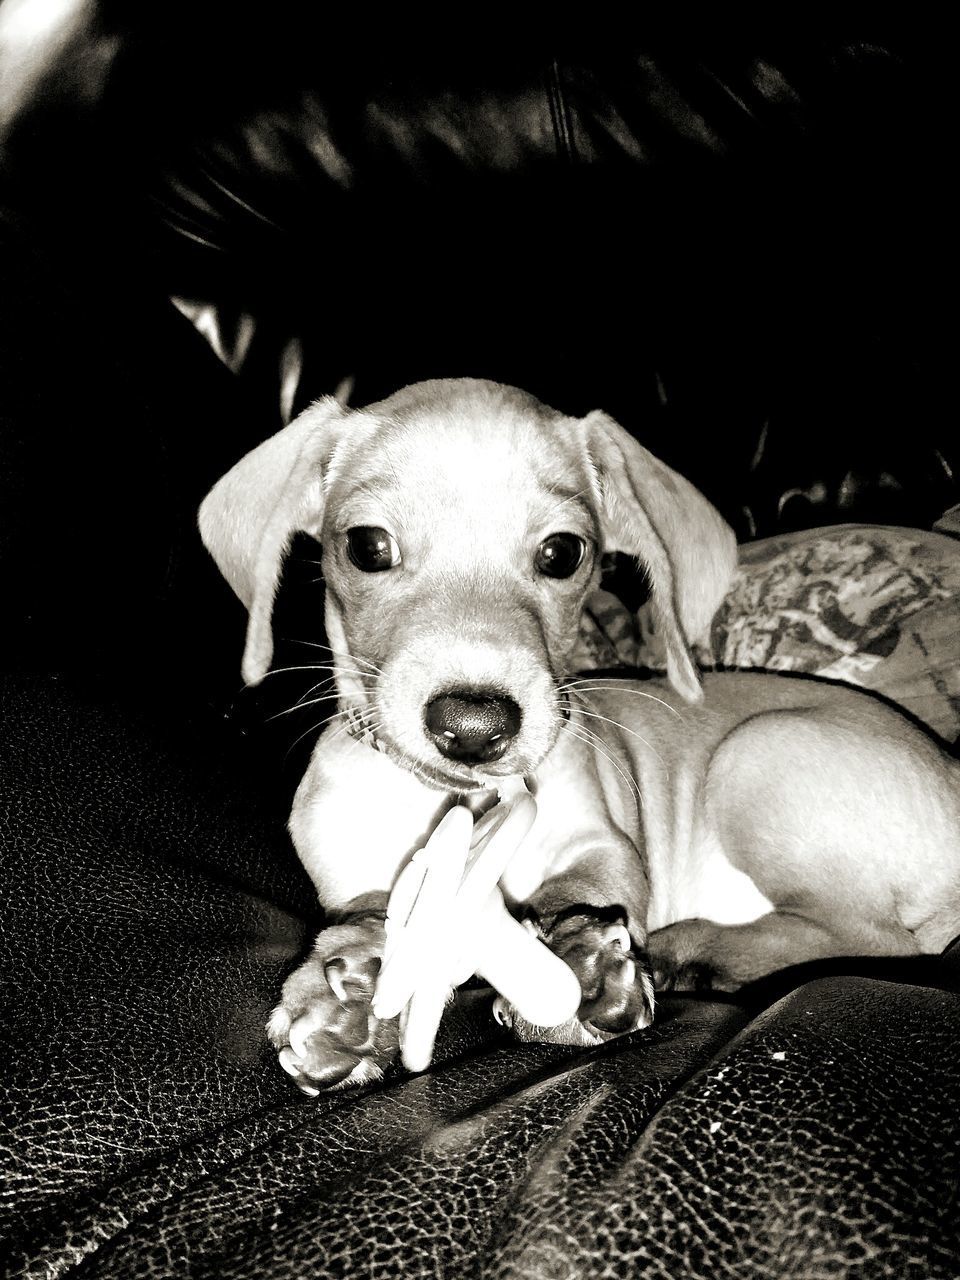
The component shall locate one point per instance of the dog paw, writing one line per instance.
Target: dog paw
(680, 959)
(324, 1028)
(694, 976)
(616, 990)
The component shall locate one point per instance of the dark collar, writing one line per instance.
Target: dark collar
(359, 728)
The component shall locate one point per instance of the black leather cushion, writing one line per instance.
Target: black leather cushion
(151, 907)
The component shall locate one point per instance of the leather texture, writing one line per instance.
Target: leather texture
(734, 242)
(151, 909)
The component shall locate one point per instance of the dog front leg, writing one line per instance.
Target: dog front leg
(356, 819)
(323, 1027)
(592, 915)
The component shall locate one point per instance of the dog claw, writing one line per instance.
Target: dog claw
(301, 1029)
(617, 991)
(334, 970)
(291, 1064)
(324, 1029)
(618, 933)
(502, 1012)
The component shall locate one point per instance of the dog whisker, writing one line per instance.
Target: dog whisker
(341, 730)
(314, 666)
(347, 725)
(589, 686)
(339, 653)
(595, 715)
(335, 671)
(320, 724)
(581, 732)
(594, 745)
(328, 680)
(302, 700)
(277, 671)
(595, 740)
(301, 706)
(563, 501)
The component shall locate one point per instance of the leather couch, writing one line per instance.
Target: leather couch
(734, 242)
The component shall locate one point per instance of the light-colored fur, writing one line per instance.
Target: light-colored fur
(737, 824)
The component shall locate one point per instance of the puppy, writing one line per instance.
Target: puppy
(705, 832)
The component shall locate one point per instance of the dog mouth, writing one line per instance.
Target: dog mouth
(442, 773)
(447, 779)
(362, 727)
(449, 775)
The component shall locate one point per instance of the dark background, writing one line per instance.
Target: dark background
(736, 240)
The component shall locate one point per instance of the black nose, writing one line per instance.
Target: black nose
(475, 727)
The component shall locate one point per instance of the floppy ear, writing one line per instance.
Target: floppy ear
(249, 517)
(649, 511)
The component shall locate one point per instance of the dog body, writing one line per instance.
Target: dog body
(709, 835)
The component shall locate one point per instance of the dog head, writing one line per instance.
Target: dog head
(462, 525)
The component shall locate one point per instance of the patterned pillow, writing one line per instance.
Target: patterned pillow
(872, 606)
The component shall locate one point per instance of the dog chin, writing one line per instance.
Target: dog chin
(437, 770)
(439, 773)
(488, 776)
(446, 775)
(461, 778)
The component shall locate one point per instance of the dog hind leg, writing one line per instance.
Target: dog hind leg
(846, 818)
(698, 955)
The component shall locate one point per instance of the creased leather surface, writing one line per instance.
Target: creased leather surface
(825, 1142)
(151, 906)
(149, 916)
(148, 912)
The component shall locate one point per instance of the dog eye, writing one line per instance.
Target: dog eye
(560, 555)
(372, 550)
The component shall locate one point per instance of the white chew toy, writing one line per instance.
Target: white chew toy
(446, 920)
